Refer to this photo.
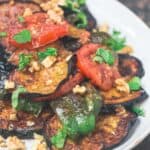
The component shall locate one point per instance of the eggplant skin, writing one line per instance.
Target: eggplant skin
(21, 126)
(110, 97)
(130, 66)
(111, 130)
(115, 127)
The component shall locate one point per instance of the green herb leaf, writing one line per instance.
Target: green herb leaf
(48, 52)
(98, 59)
(135, 84)
(116, 42)
(24, 60)
(23, 37)
(29, 106)
(21, 19)
(15, 96)
(3, 34)
(24, 104)
(139, 111)
(82, 2)
(59, 139)
(106, 56)
(81, 20)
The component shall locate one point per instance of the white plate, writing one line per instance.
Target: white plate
(138, 35)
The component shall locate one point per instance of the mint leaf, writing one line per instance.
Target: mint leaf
(24, 60)
(98, 59)
(21, 19)
(116, 42)
(3, 34)
(22, 37)
(106, 56)
(48, 52)
(59, 139)
(139, 111)
(135, 84)
(81, 20)
(15, 96)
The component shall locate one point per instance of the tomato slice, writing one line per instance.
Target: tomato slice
(43, 31)
(101, 75)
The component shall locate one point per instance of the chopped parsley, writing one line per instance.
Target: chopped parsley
(48, 52)
(15, 96)
(103, 55)
(21, 19)
(25, 104)
(81, 20)
(24, 60)
(59, 139)
(3, 34)
(116, 42)
(138, 111)
(135, 84)
(22, 37)
(75, 6)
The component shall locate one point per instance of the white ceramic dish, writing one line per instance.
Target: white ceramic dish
(138, 35)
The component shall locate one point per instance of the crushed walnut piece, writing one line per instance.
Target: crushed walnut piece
(54, 12)
(2, 142)
(34, 66)
(9, 84)
(122, 85)
(39, 143)
(79, 89)
(48, 61)
(27, 12)
(15, 143)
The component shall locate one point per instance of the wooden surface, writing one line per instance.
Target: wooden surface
(142, 9)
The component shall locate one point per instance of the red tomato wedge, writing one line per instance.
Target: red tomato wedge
(101, 75)
(43, 31)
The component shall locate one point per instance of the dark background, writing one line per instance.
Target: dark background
(142, 9)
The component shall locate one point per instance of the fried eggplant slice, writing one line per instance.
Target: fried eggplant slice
(21, 124)
(113, 97)
(65, 88)
(111, 130)
(9, 14)
(47, 79)
(115, 127)
(130, 66)
(44, 81)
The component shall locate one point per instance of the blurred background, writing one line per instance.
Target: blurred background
(142, 9)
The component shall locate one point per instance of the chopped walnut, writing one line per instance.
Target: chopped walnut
(27, 12)
(48, 61)
(2, 142)
(34, 66)
(30, 123)
(122, 85)
(126, 50)
(104, 27)
(54, 12)
(15, 143)
(79, 89)
(39, 143)
(9, 84)
(13, 115)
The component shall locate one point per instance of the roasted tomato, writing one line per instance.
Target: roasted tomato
(43, 31)
(101, 75)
